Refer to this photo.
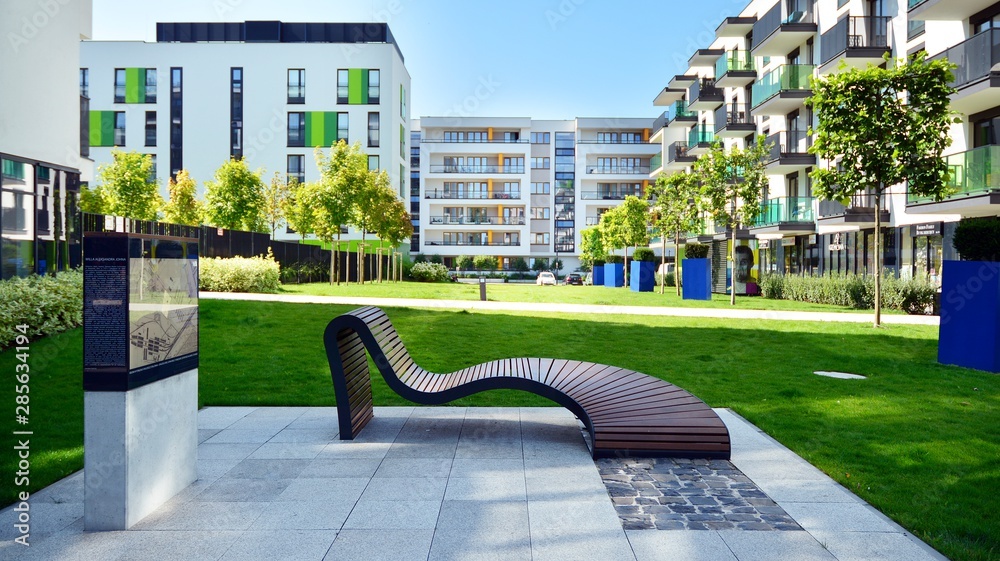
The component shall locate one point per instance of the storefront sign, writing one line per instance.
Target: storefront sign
(763, 244)
(931, 229)
(785, 242)
(836, 247)
(812, 239)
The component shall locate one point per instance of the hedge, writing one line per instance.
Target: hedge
(913, 296)
(46, 304)
(240, 274)
(429, 272)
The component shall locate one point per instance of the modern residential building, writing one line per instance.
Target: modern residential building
(753, 80)
(41, 153)
(518, 187)
(267, 91)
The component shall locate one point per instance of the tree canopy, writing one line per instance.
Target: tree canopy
(183, 206)
(235, 199)
(126, 187)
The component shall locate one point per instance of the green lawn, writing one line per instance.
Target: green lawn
(555, 294)
(918, 440)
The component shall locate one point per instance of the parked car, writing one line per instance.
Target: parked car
(574, 278)
(546, 278)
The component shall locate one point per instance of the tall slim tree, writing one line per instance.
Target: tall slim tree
(235, 199)
(676, 205)
(275, 194)
(183, 206)
(299, 209)
(392, 225)
(592, 246)
(126, 187)
(732, 186)
(628, 226)
(343, 175)
(371, 199)
(880, 127)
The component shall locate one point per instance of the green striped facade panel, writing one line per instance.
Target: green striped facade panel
(135, 85)
(102, 128)
(321, 128)
(357, 86)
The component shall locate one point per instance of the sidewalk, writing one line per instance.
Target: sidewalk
(576, 308)
(441, 483)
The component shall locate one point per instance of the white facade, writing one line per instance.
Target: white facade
(271, 102)
(517, 187)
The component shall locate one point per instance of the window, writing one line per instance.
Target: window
(631, 138)
(119, 85)
(297, 129)
(541, 138)
(631, 165)
(402, 101)
(374, 87)
(373, 139)
(607, 137)
(176, 121)
(541, 213)
(513, 165)
(150, 85)
(914, 28)
(296, 169)
(236, 112)
(343, 127)
(540, 163)
(152, 167)
(540, 239)
(372, 163)
(541, 188)
(85, 82)
(402, 142)
(343, 83)
(150, 128)
(119, 128)
(512, 137)
(296, 85)
(607, 165)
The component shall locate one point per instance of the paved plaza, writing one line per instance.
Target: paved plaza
(435, 483)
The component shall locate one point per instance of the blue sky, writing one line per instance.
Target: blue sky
(545, 59)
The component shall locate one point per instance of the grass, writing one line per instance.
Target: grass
(562, 294)
(917, 439)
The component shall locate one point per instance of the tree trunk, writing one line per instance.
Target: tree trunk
(338, 256)
(625, 268)
(732, 268)
(878, 259)
(677, 261)
(663, 262)
(361, 258)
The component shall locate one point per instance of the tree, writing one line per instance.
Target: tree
(299, 209)
(183, 206)
(732, 185)
(393, 225)
(275, 194)
(883, 127)
(126, 187)
(342, 175)
(626, 225)
(485, 262)
(464, 263)
(235, 199)
(540, 264)
(519, 265)
(370, 202)
(676, 206)
(592, 246)
(556, 266)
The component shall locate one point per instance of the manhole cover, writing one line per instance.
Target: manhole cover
(840, 375)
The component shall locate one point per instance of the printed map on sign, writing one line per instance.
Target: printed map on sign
(163, 310)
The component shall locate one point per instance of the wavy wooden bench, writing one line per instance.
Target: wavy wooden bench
(626, 412)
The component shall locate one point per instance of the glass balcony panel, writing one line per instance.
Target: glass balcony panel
(970, 173)
(786, 209)
(784, 78)
(975, 57)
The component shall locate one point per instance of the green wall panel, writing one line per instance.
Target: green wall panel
(330, 126)
(354, 90)
(321, 128)
(135, 85)
(102, 128)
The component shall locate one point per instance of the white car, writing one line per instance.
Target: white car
(546, 278)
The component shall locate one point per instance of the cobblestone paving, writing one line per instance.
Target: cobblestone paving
(679, 494)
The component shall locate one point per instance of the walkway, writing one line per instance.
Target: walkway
(576, 308)
(447, 483)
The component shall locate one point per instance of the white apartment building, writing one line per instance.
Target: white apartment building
(753, 80)
(40, 135)
(518, 187)
(267, 91)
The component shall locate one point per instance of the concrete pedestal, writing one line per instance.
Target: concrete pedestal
(140, 449)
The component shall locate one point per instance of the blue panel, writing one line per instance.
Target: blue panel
(598, 275)
(697, 279)
(969, 335)
(614, 275)
(642, 276)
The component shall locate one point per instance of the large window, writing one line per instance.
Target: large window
(176, 121)
(85, 82)
(119, 85)
(541, 213)
(119, 128)
(296, 129)
(540, 163)
(150, 128)
(374, 86)
(542, 188)
(373, 130)
(343, 86)
(541, 138)
(373, 163)
(296, 168)
(343, 127)
(540, 238)
(150, 85)
(236, 112)
(296, 85)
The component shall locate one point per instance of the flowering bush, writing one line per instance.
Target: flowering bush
(240, 274)
(429, 272)
(47, 305)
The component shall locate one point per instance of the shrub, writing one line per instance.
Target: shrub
(485, 262)
(240, 274)
(913, 296)
(46, 304)
(419, 258)
(670, 279)
(615, 259)
(519, 265)
(644, 254)
(696, 251)
(437, 259)
(772, 286)
(978, 239)
(429, 272)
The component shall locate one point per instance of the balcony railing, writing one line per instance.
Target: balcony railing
(615, 141)
(478, 220)
(495, 140)
(474, 243)
(975, 57)
(704, 90)
(789, 143)
(855, 32)
(612, 195)
(619, 170)
(858, 204)
(799, 11)
(477, 169)
(732, 114)
(472, 195)
(677, 110)
(676, 151)
(970, 173)
(734, 61)
(786, 209)
(784, 78)
(593, 220)
(914, 3)
(656, 162)
(700, 135)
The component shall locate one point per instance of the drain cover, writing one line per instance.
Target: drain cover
(840, 375)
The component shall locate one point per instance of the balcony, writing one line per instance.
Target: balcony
(668, 96)
(975, 78)
(476, 170)
(734, 120)
(735, 27)
(705, 57)
(789, 152)
(618, 170)
(860, 212)
(782, 90)
(470, 195)
(779, 31)
(475, 140)
(677, 113)
(700, 139)
(609, 194)
(954, 10)
(786, 215)
(679, 157)
(656, 164)
(473, 243)
(974, 184)
(593, 220)
(735, 70)
(448, 220)
(703, 95)
(857, 41)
